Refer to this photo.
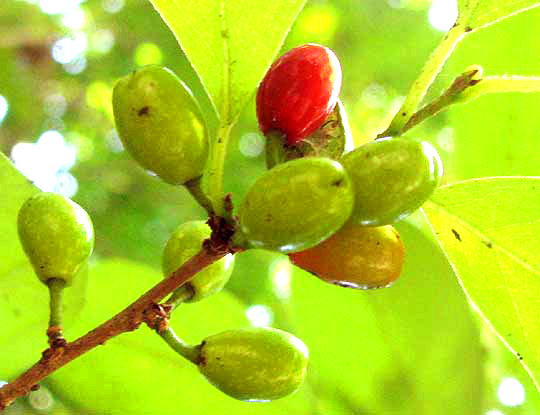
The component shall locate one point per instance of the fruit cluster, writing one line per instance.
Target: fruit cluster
(328, 206)
(336, 210)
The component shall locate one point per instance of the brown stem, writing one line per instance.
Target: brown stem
(449, 97)
(127, 320)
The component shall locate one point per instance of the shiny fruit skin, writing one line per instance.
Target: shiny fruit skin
(56, 234)
(185, 242)
(256, 364)
(298, 92)
(391, 177)
(160, 124)
(296, 205)
(356, 256)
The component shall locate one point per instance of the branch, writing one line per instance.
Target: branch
(419, 88)
(127, 320)
(467, 87)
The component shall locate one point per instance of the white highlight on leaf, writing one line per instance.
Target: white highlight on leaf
(511, 392)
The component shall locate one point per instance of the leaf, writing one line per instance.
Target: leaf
(480, 13)
(230, 43)
(24, 300)
(490, 230)
(386, 351)
(137, 373)
(502, 144)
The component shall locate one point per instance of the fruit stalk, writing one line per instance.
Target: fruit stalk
(55, 330)
(191, 353)
(194, 188)
(184, 293)
(127, 320)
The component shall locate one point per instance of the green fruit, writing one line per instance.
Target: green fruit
(356, 256)
(257, 364)
(56, 234)
(296, 205)
(185, 242)
(161, 124)
(391, 178)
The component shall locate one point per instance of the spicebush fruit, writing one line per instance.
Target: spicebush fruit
(298, 92)
(161, 124)
(185, 242)
(356, 256)
(257, 364)
(296, 205)
(391, 179)
(56, 234)
(330, 140)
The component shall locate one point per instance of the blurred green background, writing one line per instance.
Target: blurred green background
(415, 348)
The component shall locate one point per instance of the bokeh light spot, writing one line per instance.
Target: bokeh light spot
(46, 162)
(259, 315)
(319, 22)
(251, 144)
(102, 41)
(58, 6)
(74, 19)
(98, 96)
(67, 49)
(113, 6)
(148, 54)
(76, 66)
(511, 392)
(41, 399)
(55, 105)
(374, 96)
(4, 107)
(443, 14)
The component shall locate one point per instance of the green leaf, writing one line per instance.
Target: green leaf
(229, 43)
(480, 13)
(490, 230)
(390, 350)
(137, 373)
(24, 300)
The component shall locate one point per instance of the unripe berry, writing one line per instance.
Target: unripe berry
(257, 364)
(356, 256)
(391, 178)
(56, 234)
(296, 205)
(161, 124)
(184, 243)
(298, 92)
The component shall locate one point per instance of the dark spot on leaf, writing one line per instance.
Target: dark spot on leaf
(337, 182)
(457, 235)
(488, 244)
(403, 114)
(144, 111)
(468, 29)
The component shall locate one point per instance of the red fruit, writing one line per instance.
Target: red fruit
(299, 91)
